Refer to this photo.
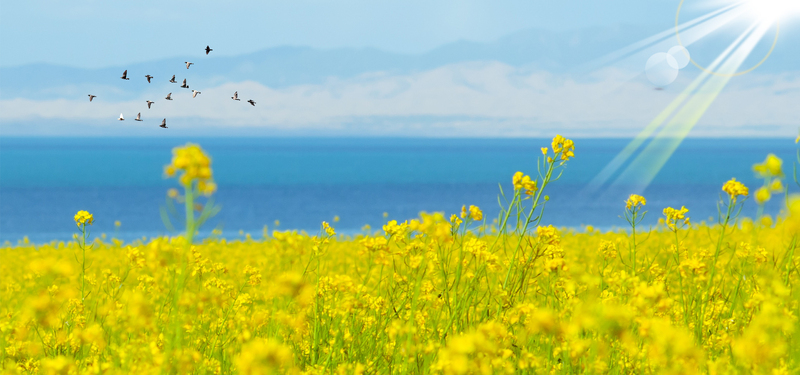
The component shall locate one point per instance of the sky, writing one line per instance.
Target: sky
(504, 68)
(95, 33)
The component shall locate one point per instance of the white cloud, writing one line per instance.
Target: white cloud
(480, 99)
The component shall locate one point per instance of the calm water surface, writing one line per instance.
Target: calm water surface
(302, 181)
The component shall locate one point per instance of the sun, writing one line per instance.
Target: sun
(773, 10)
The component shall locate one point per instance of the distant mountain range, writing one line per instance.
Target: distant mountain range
(527, 83)
(278, 67)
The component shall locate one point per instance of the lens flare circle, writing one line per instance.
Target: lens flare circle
(771, 48)
(681, 56)
(661, 69)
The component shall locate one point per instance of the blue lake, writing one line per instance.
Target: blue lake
(303, 181)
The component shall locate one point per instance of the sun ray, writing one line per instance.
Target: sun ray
(630, 149)
(694, 29)
(642, 170)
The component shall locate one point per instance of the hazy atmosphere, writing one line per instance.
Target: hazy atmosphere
(354, 68)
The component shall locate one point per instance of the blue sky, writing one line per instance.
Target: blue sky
(99, 33)
(378, 68)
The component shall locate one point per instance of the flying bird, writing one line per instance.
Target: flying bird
(188, 64)
(195, 92)
(125, 75)
(92, 97)
(121, 118)
(163, 123)
(185, 86)
(149, 77)
(173, 79)
(208, 49)
(235, 95)
(252, 102)
(169, 96)
(139, 117)
(149, 102)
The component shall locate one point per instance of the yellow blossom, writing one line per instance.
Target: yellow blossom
(263, 356)
(776, 186)
(676, 217)
(83, 218)
(563, 146)
(475, 213)
(772, 166)
(455, 221)
(328, 228)
(523, 182)
(194, 164)
(393, 229)
(734, 188)
(762, 195)
(635, 201)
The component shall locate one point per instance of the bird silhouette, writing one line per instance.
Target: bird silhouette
(163, 123)
(252, 102)
(188, 64)
(125, 75)
(173, 79)
(185, 86)
(121, 118)
(149, 103)
(139, 117)
(149, 77)
(92, 97)
(195, 92)
(235, 95)
(208, 49)
(169, 96)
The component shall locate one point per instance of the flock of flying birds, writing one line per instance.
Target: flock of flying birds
(169, 96)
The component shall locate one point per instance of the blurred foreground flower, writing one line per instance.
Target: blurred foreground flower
(195, 165)
(771, 167)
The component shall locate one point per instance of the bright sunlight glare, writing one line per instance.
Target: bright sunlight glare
(773, 10)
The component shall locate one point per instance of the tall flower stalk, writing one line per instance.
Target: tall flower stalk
(634, 215)
(192, 166)
(526, 188)
(82, 219)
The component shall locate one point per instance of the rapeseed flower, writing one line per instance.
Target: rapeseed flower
(83, 218)
(564, 147)
(735, 189)
(635, 201)
(328, 229)
(762, 194)
(455, 222)
(524, 183)
(264, 356)
(772, 166)
(475, 213)
(194, 165)
(776, 186)
(393, 229)
(676, 217)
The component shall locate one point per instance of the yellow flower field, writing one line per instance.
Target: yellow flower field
(455, 293)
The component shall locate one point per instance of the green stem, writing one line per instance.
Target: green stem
(190, 224)
(83, 261)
